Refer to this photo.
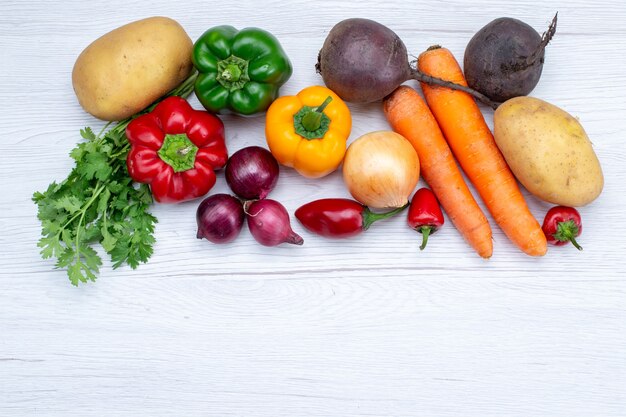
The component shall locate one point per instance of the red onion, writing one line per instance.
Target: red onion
(268, 222)
(220, 218)
(252, 172)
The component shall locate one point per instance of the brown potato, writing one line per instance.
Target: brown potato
(548, 151)
(127, 69)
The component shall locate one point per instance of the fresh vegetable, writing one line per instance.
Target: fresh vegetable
(425, 215)
(363, 61)
(563, 225)
(127, 69)
(220, 218)
(505, 58)
(240, 70)
(339, 217)
(308, 131)
(98, 202)
(175, 149)
(268, 222)
(548, 151)
(381, 169)
(474, 147)
(408, 114)
(252, 172)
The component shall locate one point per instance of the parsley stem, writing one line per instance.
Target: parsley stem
(100, 137)
(96, 193)
(124, 149)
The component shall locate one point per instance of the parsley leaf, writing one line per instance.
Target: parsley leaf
(98, 202)
(93, 204)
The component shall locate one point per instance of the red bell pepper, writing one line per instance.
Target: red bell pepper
(339, 217)
(562, 225)
(175, 149)
(425, 215)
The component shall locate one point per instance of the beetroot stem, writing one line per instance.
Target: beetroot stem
(545, 39)
(418, 75)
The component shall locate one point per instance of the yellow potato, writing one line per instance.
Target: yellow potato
(127, 69)
(548, 151)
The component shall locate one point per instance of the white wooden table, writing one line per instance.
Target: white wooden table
(369, 326)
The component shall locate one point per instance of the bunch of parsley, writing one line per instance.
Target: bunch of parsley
(98, 202)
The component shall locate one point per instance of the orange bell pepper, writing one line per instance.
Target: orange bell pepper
(308, 131)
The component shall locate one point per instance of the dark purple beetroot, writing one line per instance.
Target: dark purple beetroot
(363, 61)
(505, 58)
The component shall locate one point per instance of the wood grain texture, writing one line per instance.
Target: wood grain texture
(369, 326)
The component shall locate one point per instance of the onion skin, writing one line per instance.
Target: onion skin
(252, 172)
(269, 224)
(381, 170)
(220, 218)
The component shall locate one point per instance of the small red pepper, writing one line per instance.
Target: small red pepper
(339, 217)
(175, 149)
(425, 215)
(562, 225)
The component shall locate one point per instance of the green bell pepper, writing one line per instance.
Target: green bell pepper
(240, 70)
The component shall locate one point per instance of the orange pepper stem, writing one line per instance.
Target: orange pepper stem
(311, 122)
(313, 119)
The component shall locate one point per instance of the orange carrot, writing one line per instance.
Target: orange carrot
(473, 146)
(408, 115)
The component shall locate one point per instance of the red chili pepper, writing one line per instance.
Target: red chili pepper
(339, 217)
(425, 215)
(562, 225)
(175, 149)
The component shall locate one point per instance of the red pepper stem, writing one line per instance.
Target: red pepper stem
(425, 231)
(178, 152)
(370, 217)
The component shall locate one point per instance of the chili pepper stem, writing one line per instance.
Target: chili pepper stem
(425, 231)
(567, 231)
(370, 217)
(576, 245)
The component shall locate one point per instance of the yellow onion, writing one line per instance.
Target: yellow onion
(381, 169)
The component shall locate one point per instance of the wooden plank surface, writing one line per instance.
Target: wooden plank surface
(369, 326)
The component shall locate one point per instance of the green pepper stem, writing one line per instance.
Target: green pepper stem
(425, 231)
(231, 73)
(313, 119)
(370, 217)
